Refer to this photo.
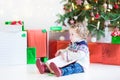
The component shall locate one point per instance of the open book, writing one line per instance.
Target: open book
(59, 61)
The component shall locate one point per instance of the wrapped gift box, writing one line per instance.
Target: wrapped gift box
(31, 55)
(55, 45)
(116, 39)
(115, 36)
(38, 39)
(111, 54)
(13, 45)
(95, 52)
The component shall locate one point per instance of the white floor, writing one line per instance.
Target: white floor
(30, 72)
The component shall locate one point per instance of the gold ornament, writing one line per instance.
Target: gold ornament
(92, 18)
(87, 7)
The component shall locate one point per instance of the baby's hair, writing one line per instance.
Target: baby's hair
(81, 29)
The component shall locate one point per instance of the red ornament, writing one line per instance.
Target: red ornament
(97, 16)
(116, 6)
(116, 32)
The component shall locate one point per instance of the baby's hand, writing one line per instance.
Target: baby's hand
(57, 53)
(61, 53)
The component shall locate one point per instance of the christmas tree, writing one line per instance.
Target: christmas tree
(99, 13)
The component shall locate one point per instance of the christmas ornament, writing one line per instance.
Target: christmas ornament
(92, 18)
(110, 6)
(62, 38)
(116, 32)
(116, 6)
(79, 2)
(94, 11)
(72, 21)
(75, 17)
(97, 15)
(87, 7)
(105, 7)
(85, 2)
(107, 22)
(92, 14)
(93, 39)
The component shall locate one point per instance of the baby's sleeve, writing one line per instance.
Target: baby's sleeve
(81, 53)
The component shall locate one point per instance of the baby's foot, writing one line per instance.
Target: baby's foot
(40, 66)
(55, 69)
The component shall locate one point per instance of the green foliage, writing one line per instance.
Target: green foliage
(91, 9)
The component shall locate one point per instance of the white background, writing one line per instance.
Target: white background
(36, 14)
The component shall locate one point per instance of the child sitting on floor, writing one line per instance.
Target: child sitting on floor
(77, 50)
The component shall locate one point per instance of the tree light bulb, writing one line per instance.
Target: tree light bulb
(108, 10)
(92, 18)
(87, 6)
(118, 22)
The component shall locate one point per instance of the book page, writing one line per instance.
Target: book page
(59, 61)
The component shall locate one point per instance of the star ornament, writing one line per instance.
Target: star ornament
(79, 2)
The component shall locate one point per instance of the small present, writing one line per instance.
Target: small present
(116, 36)
(116, 39)
(31, 55)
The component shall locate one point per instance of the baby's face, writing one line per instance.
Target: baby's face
(73, 35)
